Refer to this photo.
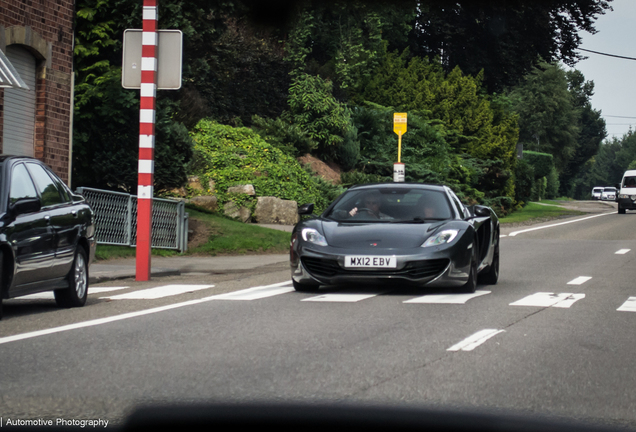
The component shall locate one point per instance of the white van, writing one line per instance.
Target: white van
(627, 192)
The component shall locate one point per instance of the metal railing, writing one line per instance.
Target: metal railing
(116, 219)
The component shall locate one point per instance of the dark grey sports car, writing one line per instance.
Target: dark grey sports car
(410, 233)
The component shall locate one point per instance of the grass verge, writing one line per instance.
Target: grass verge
(534, 212)
(224, 237)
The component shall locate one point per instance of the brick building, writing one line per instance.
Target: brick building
(36, 36)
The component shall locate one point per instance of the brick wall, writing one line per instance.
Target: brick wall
(45, 28)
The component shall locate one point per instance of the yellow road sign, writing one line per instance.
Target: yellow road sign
(399, 123)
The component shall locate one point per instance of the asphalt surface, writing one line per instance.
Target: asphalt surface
(571, 358)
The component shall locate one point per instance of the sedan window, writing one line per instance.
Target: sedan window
(48, 190)
(21, 184)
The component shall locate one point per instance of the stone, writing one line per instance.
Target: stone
(272, 210)
(231, 210)
(247, 189)
(194, 183)
(208, 202)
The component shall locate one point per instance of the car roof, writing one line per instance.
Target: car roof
(391, 185)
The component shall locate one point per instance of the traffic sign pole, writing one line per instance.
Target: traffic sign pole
(399, 127)
(148, 93)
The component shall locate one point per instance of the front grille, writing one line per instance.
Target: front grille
(413, 269)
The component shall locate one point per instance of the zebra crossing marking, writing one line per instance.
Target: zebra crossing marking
(546, 299)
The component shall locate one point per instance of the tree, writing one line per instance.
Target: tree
(548, 119)
(503, 38)
(591, 132)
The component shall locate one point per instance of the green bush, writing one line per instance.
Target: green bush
(232, 156)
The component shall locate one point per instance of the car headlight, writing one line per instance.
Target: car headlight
(442, 237)
(313, 236)
(623, 196)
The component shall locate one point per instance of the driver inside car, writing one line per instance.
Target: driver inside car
(370, 204)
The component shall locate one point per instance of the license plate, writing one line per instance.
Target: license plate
(352, 261)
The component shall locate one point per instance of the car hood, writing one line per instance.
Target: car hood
(374, 236)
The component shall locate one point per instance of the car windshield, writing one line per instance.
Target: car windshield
(391, 205)
(629, 181)
(609, 189)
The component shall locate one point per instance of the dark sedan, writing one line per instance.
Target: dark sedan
(47, 234)
(414, 234)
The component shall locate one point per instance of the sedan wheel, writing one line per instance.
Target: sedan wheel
(77, 292)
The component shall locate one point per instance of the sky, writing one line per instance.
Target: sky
(614, 78)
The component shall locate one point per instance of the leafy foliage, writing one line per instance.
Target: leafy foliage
(503, 38)
(231, 156)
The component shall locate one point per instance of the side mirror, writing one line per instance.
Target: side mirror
(481, 211)
(306, 209)
(25, 205)
(617, 186)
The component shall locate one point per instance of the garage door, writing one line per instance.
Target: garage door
(19, 106)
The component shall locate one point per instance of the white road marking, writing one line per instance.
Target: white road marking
(579, 280)
(545, 299)
(622, 251)
(629, 305)
(48, 295)
(512, 234)
(340, 298)
(472, 342)
(115, 318)
(256, 292)
(447, 298)
(158, 292)
(99, 290)
(503, 235)
(96, 322)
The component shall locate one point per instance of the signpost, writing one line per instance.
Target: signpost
(141, 71)
(399, 127)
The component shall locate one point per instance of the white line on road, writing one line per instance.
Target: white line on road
(256, 292)
(472, 342)
(340, 298)
(107, 320)
(579, 280)
(546, 299)
(629, 305)
(447, 298)
(48, 295)
(512, 234)
(622, 251)
(158, 292)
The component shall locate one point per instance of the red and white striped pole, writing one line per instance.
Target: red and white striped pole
(148, 93)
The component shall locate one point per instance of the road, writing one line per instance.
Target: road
(553, 338)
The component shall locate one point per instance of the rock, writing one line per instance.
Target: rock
(180, 192)
(231, 210)
(329, 172)
(211, 185)
(194, 183)
(272, 210)
(242, 189)
(208, 202)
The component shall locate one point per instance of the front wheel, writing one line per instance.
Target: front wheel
(471, 285)
(77, 292)
(301, 287)
(491, 275)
